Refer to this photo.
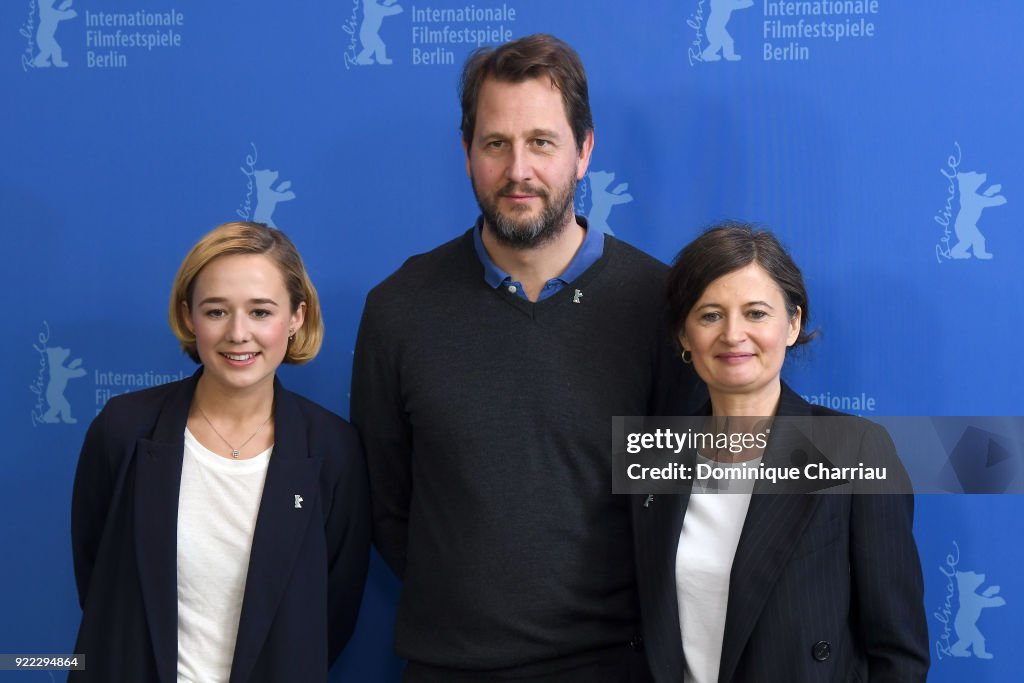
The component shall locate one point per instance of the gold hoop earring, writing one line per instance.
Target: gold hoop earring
(686, 356)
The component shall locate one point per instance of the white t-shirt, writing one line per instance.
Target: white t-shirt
(707, 545)
(217, 507)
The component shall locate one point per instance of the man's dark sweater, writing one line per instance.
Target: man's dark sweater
(486, 421)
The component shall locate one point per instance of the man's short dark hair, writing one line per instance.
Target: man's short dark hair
(521, 60)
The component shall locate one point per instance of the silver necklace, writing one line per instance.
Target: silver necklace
(235, 452)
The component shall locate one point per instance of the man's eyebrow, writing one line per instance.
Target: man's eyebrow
(543, 133)
(533, 133)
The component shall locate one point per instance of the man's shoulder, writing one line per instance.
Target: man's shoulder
(426, 268)
(634, 271)
(420, 287)
(624, 255)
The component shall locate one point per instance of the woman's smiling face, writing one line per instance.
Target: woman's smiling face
(242, 316)
(738, 332)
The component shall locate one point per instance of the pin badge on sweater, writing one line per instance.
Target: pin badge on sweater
(577, 298)
(298, 501)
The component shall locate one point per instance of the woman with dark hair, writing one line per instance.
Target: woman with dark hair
(220, 524)
(761, 586)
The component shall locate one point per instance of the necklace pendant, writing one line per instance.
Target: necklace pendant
(235, 452)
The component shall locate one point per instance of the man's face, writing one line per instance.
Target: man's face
(523, 161)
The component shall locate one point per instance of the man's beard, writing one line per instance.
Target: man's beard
(528, 233)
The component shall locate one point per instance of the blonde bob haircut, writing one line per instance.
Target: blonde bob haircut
(250, 238)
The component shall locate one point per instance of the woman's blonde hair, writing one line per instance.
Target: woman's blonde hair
(250, 238)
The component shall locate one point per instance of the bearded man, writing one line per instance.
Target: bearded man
(486, 375)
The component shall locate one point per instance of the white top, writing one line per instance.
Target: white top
(217, 508)
(707, 546)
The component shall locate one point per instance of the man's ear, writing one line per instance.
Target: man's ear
(586, 149)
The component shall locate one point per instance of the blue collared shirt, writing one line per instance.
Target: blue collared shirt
(587, 255)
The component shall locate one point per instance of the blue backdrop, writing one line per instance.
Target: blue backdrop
(878, 138)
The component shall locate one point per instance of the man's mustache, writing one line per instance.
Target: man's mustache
(520, 189)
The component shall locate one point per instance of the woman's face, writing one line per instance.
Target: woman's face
(738, 332)
(241, 316)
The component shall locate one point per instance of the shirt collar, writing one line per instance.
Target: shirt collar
(587, 255)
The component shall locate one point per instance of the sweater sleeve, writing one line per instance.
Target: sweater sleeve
(379, 415)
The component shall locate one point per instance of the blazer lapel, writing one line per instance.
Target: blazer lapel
(157, 483)
(773, 525)
(659, 520)
(288, 506)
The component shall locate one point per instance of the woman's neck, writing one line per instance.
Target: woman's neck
(762, 403)
(234, 406)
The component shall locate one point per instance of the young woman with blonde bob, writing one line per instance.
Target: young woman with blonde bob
(220, 524)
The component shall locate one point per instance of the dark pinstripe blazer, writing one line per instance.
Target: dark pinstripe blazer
(822, 587)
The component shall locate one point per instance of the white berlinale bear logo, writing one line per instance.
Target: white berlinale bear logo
(966, 620)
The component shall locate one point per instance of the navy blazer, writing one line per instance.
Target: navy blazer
(307, 564)
(822, 588)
